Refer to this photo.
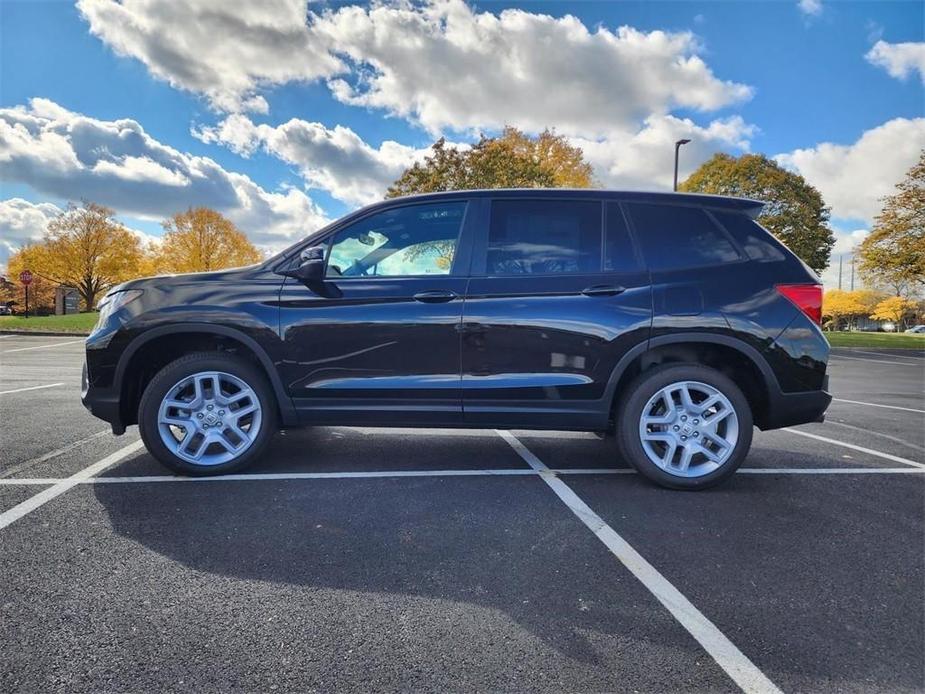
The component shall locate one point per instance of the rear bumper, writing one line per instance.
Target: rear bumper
(102, 403)
(790, 409)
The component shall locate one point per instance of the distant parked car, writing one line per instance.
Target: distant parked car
(5, 310)
(916, 329)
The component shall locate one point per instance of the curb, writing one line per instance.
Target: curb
(42, 333)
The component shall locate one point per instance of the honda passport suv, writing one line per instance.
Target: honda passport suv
(674, 321)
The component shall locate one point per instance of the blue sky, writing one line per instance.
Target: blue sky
(284, 115)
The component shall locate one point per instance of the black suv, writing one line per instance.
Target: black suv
(674, 320)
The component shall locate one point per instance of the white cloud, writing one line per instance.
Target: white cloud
(810, 8)
(334, 159)
(22, 222)
(445, 65)
(853, 178)
(226, 51)
(340, 162)
(899, 59)
(116, 163)
(845, 243)
(441, 64)
(645, 159)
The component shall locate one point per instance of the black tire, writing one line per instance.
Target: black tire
(645, 386)
(188, 365)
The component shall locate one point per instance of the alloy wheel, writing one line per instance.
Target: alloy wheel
(689, 429)
(209, 418)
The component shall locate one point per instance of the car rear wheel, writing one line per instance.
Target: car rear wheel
(207, 413)
(684, 426)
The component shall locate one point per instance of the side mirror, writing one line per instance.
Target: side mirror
(310, 269)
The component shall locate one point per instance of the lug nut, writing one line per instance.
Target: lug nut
(696, 434)
(199, 415)
(683, 418)
(221, 412)
(684, 438)
(696, 421)
(208, 407)
(676, 427)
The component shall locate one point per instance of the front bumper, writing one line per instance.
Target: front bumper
(102, 402)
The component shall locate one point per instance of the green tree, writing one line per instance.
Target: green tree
(894, 251)
(512, 160)
(794, 211)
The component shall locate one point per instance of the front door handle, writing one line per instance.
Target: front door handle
(434, 297)
(603, 290)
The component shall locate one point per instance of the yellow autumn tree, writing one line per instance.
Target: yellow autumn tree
(894, 309)
(200, 240)
(564, 162)
(84, 247)
(843, 307)
(511, 160)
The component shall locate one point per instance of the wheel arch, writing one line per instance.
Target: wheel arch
(729, 355)
(156, 347)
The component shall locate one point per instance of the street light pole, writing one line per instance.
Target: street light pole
(677, 146)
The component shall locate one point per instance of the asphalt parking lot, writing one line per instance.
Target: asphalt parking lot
(374, 559)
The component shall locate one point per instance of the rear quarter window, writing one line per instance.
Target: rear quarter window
(674, 237)
(758, 243)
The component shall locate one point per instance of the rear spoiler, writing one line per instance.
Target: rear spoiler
(753, 209)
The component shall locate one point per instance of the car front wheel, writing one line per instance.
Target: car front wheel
(684, 426)
(207, 413)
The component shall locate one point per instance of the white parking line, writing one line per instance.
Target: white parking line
(875, 361)
(868, 432)
(735, 663)
(23, 390)
(882, 354)
(861, 449)
(57, 344)
(52, 454)
(504, 472)
(380, 474)
(46, 495)
(874, 404)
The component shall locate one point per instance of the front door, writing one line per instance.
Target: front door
(381, 336)
(552, 306)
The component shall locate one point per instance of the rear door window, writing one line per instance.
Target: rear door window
(544, 237)
(675, 236)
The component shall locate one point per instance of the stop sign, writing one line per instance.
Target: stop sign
(25, 277)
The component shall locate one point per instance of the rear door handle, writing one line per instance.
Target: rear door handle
(603, 290)
(434, 297)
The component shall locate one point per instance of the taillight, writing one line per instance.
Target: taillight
(806, 297)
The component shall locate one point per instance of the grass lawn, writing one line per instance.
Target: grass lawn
(881, 340)
(77, 323)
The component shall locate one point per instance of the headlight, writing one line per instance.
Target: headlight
(113, 302)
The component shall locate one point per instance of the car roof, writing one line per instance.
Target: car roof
(749, 205)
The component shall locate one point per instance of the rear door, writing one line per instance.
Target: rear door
(552, 305)
(380, 339)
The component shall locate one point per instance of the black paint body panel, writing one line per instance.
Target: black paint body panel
(531, 351)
